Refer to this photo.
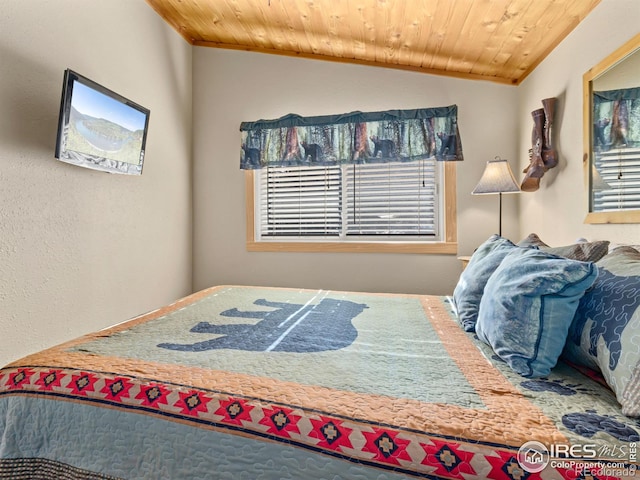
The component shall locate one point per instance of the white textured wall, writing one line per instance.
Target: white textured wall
(81, 249)
(557, 210)
(233, 86)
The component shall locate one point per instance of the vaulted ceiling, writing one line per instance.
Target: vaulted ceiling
(496, 40)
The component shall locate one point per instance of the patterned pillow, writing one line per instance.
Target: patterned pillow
(583, 251)
(468, 291)
(605, 332)
(528, 305)
(613, 246)
(532, 240)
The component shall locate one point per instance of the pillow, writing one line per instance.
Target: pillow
(532, 240)
(528, 305)
(583, 251)
(482, 263)
(605, 333)
(613, 246)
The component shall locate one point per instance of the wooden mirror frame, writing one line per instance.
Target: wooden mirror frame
(613, 216)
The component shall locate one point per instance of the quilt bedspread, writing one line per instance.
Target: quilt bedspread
(262, 383)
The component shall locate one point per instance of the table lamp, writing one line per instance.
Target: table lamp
(497, 178)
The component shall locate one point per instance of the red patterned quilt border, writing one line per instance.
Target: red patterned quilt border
(411, 453)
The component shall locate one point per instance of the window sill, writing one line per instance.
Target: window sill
(354, 247)
(613, 216)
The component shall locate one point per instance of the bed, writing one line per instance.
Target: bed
(240, 382)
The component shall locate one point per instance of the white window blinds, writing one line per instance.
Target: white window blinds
(386, 200)
(391, 199)
(300, 201)
(620, 170)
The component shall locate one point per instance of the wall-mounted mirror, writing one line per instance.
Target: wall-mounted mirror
(612, 136)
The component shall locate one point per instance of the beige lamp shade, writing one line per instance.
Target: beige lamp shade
(497, 178)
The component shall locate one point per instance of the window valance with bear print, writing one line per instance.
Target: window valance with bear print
(357, 137)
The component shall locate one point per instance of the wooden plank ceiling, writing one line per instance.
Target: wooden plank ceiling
(497, 40)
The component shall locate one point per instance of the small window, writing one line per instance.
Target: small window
(394, 200)
(300, 202)
(353, 182)
(376, 207)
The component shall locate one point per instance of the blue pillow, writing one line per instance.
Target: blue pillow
(528, 305)
(470, 287)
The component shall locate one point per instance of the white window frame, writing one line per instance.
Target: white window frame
(445, 243)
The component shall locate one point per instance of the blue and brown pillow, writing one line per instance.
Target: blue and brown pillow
(605, 333)
(583, 251)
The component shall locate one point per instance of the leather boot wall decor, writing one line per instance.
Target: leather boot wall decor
(549, 154)
(536, 168)
(542, 155)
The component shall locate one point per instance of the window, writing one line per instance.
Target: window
(366, 182)
(300, 202)
(376, 207)
(612, 134)
(393, 200)
(619, 170)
